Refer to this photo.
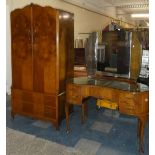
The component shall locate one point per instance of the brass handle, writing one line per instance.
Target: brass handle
(75, 97)
(34, 35)
(129, 98)
(29, 35)
(47, 113)
(129, 107)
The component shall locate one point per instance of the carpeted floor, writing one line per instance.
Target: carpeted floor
(20, 143)
(104, 133)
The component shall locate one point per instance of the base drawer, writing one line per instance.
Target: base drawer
(74, 94)
(131, 103)
(49, 112)
(34, 103)
(74, 98)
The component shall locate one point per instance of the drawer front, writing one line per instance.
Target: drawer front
(103, 93)
(38, 104)
(22, 95)
(74, 94)
(50, 101)
(34, 104)
(22, 102)
(28, 96)
(27, 107)
(129, 95)
(130, 103)
(126, 108)
(74, 99)
(20, 106)
(50, 104)
(49, 112)
(74, 88)
(16, 105)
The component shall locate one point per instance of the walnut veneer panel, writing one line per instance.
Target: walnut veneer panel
(66, 48)
(134, 103)
(42, 60)
(22, 76)
(34, 103)
(136, 54)
(44, 52)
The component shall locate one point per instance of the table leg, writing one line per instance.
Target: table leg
(67, 117)
(138, 128)
(84, 112)
(142, 121)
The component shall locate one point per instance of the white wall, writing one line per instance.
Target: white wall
(8, 51)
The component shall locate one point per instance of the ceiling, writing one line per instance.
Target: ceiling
(122, 8)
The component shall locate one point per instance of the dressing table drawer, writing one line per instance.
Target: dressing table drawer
(74, 94)
(128, 103)
(126, 108)
(74, 99)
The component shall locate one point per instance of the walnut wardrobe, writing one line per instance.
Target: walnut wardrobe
(42, 60)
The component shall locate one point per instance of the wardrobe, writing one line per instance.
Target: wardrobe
(42, 61)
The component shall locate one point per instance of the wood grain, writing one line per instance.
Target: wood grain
(42, 60)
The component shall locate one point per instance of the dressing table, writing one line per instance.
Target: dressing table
(132, 98)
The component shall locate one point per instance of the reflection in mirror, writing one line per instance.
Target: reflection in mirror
(115, 56)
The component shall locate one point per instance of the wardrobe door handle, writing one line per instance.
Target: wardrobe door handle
(29, 38)
(34, 35)
(29, 35)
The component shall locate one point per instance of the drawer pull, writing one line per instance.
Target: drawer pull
(146, 99)
(46, 112)
(129, 98)
(130, 103)
(75, 97)
(129, 108)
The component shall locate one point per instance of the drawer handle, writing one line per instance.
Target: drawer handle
(129, 98)
(75, 97)
(129, 108)
(146, 99)
(46, 113)
(130, 104)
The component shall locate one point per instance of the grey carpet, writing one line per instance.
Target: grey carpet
(19, 143)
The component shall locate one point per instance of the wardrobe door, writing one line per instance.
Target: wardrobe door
(21, 49)
(66, 48)
(44, 41)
